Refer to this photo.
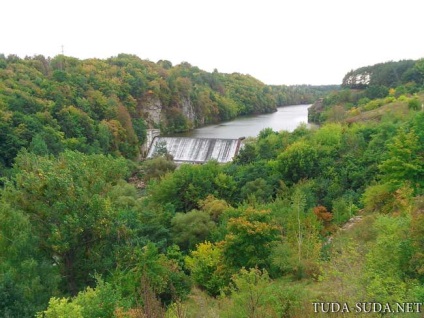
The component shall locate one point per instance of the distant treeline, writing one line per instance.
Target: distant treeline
(389, 74)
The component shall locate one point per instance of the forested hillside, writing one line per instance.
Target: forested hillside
(388, 74)
(48, 105)
(368, 88)
(89, 233)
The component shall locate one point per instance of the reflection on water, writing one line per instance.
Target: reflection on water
(286, 118)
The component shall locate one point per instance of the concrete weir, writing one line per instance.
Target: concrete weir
(196, 150)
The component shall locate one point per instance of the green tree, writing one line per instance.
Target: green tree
(297, 162)
(149, 278)
(101, 301)
(38, 146)
(157, 167)
(191, 228)
(247, 154)
(186, 186)
(66, 201)
(60, 308)
(299, 251)
(27, 277)
(414, 104)
(249, 239)
(206, 268)
(405, 161)
(214, 207)
(342, 275)
(417, 240)
(384, 271)
(250, 294)
(257, 191)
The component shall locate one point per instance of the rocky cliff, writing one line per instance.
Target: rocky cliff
(151, 109)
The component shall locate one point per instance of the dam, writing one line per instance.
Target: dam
(196, 150)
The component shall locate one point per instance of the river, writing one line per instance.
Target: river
(285, 118)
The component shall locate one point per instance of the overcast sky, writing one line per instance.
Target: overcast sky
(276, 41)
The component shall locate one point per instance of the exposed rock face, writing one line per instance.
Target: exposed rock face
(152, 111)
(188, 110)
(151, 107)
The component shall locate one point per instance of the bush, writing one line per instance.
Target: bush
(374, 104)
(414, 104)
(377, 198)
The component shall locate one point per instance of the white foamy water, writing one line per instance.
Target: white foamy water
(185, 149)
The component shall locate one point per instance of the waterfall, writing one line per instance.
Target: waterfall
(196, 150)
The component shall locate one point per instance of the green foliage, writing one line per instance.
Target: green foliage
(60, 308)
(268, 145)
(89, 303)
(27, 278)
(67, 213)
(157, 167)
(417, 240)
(253, 294)
(249, 239)
(140, 126)
(102, 106)
(300, 94)
(205, 265)
(146, 276)
(187, 185)
(38, 146)
(389, 74)
(376, 91)
(66, 201)
(383, 267)
(252, 176)
(301, 244)
(176, 121)
(405, 160)
(342, 273)
(414, 104)
(298, 161)
(377, 197)
(161, 150)
(191, 228)
(249, 94)
(213, 206)
(257, 191)
(371, 105)
(343, 210)
(329, 137)
(249, 294)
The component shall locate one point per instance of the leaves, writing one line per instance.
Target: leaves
(66, 201)
(206, 267)
(249, 239)
(405, 160)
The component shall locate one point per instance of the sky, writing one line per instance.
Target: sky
(279, 42)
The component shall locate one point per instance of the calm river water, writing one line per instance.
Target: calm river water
(285, 118)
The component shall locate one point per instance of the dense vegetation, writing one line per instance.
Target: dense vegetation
(104, 106)
(81, 236)
(369, 88)
(388, 74)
